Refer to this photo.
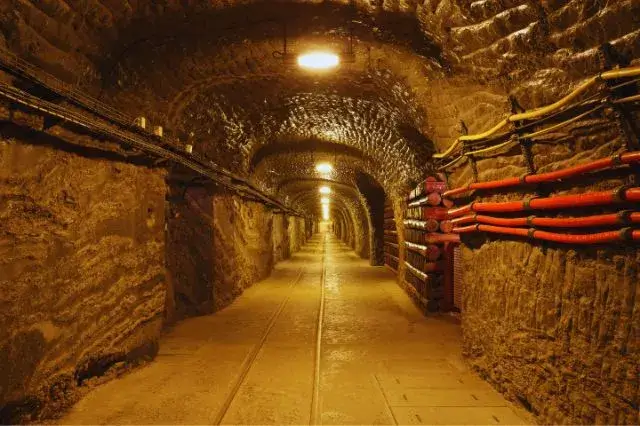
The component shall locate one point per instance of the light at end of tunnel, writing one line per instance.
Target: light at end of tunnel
(325, 190)
(325, 212)
(324, 200)
(318, 60)
(324, 168)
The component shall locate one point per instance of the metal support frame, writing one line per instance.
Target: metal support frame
(626, 126)
(525, 144)
(464, 130)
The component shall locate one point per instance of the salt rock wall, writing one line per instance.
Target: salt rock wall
(242, 246)
(280, 238)
(554, 327)
(82, 281)
(297, 233)
(189, 252)
(219, 244)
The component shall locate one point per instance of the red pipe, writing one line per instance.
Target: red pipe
(441, 238)
(459, 211)
(603, 163)
(621, 218)
(624, 234)
(558, 202)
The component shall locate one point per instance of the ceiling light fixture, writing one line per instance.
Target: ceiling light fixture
(325, 190)
(318, 60)
(324, 168)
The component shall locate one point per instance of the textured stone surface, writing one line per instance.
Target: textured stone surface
(82, 280)
(219, 245)
(206, 71)
(554, 326)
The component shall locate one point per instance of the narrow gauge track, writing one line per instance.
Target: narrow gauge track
(315, 396)
(251, 358)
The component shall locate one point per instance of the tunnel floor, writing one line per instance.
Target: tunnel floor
(380, 360)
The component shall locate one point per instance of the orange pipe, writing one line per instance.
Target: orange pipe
(621, 218)
(557, 202)
(624, 234)
(603, 163)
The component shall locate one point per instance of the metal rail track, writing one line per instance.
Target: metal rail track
(315, 418)
(250, 360)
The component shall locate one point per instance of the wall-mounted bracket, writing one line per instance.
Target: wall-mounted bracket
(525, 144)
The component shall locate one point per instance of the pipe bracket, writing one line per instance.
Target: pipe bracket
(624, 217)
(616, 160)
(620, 194)
(526, 204)
(626, 234)
(531, 232)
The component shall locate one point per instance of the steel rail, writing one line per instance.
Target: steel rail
(142, 142)
(251, 357)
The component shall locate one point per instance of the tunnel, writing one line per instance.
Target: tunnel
(319, 212)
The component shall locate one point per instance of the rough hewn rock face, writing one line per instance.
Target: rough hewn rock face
(189, 252)
(553, 326)
(421, 67)
(280, 238)
(82, 280)
(220, 244)
(556, 328)
(243, 249)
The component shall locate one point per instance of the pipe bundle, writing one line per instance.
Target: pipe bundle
(526, 226)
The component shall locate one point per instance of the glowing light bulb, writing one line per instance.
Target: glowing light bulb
(325, 190)
(318, 60)
(324, 168)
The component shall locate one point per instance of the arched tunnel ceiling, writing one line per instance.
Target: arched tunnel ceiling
(206, 70)
(303, 193)
(279, 168)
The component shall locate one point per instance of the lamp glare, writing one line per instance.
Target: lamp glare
(318, 60)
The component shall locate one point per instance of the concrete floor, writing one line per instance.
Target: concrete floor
(381, 361)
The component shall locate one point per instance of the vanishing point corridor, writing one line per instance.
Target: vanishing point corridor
(327, 339)
(320, 212)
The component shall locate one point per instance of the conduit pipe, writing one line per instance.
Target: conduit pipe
(624, 217)
(562, 201)
(524, 136)
(624, 234)
(538, 112)
(603, 163)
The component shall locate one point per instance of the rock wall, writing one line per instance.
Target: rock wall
(219, 244)
(280, 236)
(296, 232)
(554, 327)
(243, 246)
(189, 254)
(82, 278)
